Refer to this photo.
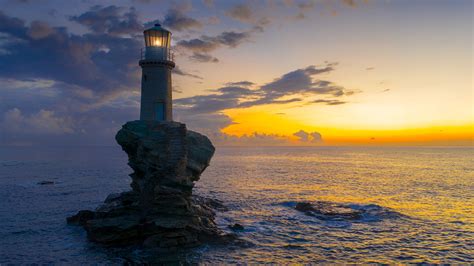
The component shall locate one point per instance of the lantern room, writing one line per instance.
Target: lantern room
(157, 43)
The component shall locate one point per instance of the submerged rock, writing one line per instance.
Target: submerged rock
(350, 212)
(160, 211)
(329, 210)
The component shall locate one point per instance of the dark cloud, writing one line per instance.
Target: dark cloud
(243, 83)
(207, 103)
(111, 20)
(199, 45)
(280, 91)
(231, 38)
(104, 61)
(87, 75)
(206, 44)
(235, 91)
(175, 19)
(316, 137)
(203, 58)
(309, 137)
(369, 68)
(200, 48)
(225, 98)
(329, 102)
(178, 71)
(298, 82)
(11, 25)
(302, 135)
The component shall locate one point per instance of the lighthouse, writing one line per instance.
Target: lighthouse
(156, 62)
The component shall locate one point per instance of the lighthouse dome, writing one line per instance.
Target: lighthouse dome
(157, 27)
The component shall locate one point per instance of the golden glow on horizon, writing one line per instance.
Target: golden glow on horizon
(248, 121)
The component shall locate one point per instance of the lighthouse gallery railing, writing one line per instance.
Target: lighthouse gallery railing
(162, 54)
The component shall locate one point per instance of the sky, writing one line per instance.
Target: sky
(268, 72)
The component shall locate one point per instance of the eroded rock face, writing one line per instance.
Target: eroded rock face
(160, 211)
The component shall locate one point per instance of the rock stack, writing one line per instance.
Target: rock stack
(159, 211)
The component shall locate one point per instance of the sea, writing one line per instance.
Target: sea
(418, 204)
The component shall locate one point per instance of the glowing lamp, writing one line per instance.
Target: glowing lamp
(157, 43)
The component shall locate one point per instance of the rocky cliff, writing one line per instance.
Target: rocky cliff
(159, 211)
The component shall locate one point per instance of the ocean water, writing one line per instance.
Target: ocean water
(419, 204)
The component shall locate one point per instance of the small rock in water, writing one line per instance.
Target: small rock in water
(46, 182)
(237, 227)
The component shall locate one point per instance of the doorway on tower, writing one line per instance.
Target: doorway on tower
(160, 111)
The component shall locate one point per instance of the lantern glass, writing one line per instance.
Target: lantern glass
(157, 38)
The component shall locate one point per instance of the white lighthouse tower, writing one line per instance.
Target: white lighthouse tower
(157, 63)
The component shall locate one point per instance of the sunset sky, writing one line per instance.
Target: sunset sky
(248, 72)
